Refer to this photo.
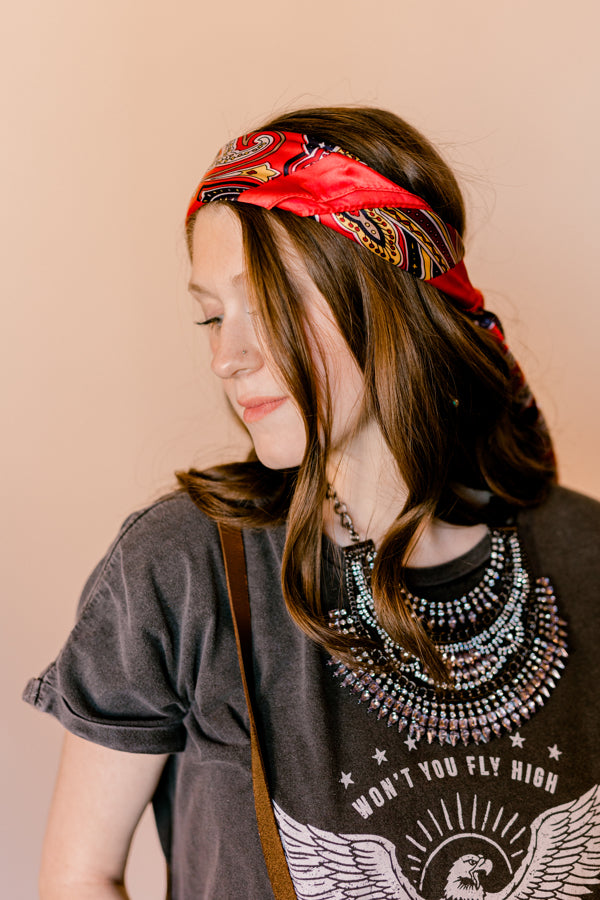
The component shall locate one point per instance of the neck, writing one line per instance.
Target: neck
(367, 480)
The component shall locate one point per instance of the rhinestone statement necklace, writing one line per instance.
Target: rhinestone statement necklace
(503, 641)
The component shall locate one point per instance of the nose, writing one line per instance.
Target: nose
(235, 349)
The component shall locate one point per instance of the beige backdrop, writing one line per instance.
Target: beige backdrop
(111, 110)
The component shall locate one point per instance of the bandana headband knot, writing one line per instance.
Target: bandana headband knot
(297, 173)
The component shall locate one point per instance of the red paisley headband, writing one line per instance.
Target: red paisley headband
(289, 171)
(297, 173)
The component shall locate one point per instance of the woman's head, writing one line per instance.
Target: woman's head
(435, 383)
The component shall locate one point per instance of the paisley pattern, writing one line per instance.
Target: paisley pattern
(251, 160)
(419, 243)
(268, 169)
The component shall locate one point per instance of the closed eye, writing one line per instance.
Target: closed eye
(214, 320)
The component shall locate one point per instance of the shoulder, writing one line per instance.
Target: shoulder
(165, 529)
(175, 523)
(562, 541)
(172, 514)
(565, 517)
(172, 544)
(159, 546)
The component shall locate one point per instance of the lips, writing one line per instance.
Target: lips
(257, 408)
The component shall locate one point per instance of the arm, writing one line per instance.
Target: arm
(99, 798)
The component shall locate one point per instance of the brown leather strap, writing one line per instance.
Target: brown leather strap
(237, 586)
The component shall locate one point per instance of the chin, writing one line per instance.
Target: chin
(274, 457)
(275, 461)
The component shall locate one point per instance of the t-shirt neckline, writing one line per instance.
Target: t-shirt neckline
(428, 576)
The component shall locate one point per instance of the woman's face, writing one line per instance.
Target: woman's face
(251, 380)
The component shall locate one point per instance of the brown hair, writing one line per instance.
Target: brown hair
(418, 353)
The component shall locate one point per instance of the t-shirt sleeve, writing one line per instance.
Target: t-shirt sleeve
(124, 678)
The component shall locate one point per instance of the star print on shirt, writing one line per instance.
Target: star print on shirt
(346, 779)
(380, 756)
(517, 740)
(411, 743)
(554, 752)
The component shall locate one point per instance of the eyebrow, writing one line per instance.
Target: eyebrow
(198, 289)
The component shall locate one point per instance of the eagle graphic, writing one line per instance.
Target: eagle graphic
(562, 860)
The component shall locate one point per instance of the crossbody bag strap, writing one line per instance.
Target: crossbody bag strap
(239, 601)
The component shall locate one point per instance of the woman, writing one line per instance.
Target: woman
(406, 548)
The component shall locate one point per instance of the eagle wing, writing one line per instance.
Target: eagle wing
(563, 855)
(328, 866)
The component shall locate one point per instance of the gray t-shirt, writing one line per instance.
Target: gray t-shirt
(151, 667)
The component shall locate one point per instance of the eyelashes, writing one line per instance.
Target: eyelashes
(213, 320)
(218, 320)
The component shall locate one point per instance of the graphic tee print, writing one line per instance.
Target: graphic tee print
(465, 848)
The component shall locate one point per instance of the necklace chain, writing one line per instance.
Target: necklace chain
(342, 511)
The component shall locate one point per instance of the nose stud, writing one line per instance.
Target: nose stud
(244, 352)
